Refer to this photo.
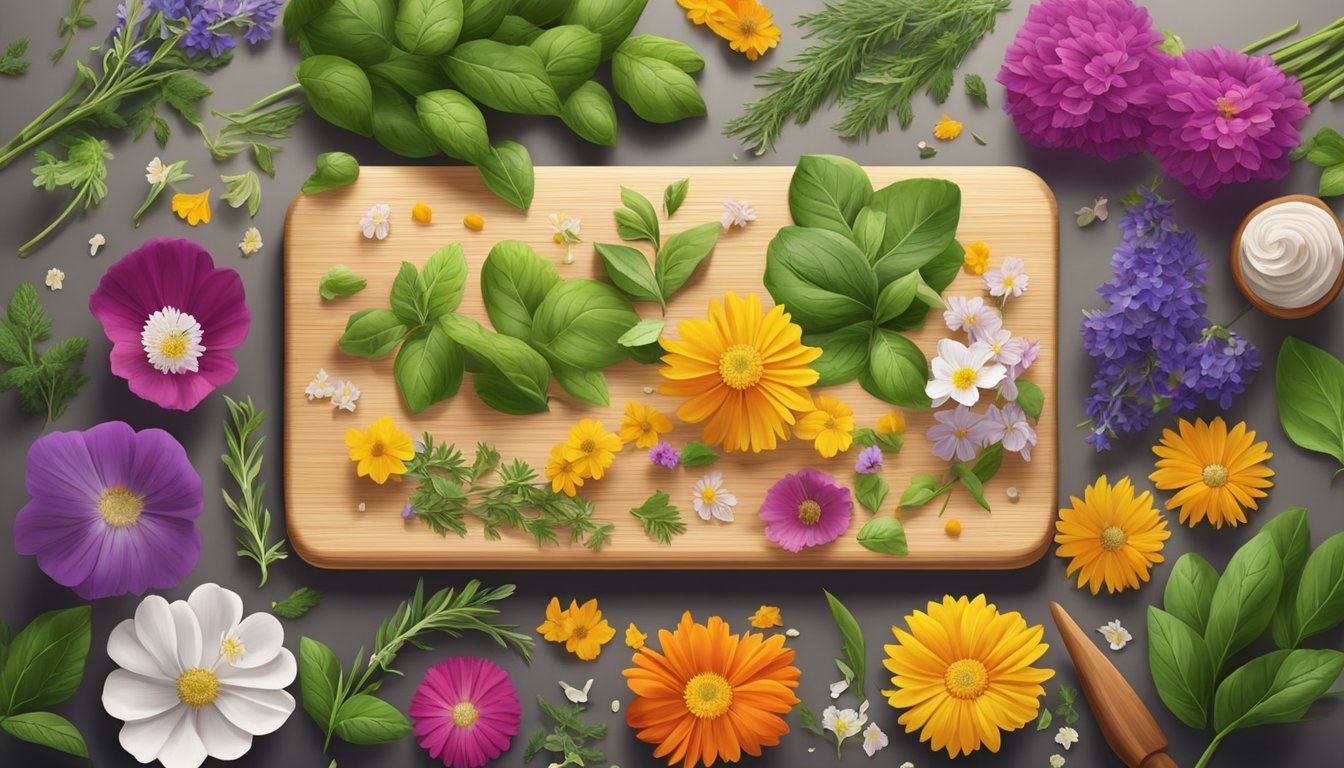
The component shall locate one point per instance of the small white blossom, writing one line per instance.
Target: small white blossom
(960, 372)
(839, 688)
(320, 388)
(1066, 737)
(251, 241)
(791, 632)
(711, 500)
(565, 231)
(377, 223)
(96, 242)
(1056, 761)
(736, 213)
(1115, 634)
(843, 722)
(1010, 279)
(55, 279)
(344, 394)
(156, 172)
(577, 695)
(874, 740)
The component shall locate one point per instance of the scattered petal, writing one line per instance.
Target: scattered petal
(55, 279)
(96, 242)
(251, 241)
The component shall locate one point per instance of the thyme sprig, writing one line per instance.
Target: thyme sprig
(243, 460)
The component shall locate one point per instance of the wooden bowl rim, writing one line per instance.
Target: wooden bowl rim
(1273, 310)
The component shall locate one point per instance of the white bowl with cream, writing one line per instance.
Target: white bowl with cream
(1288, 256)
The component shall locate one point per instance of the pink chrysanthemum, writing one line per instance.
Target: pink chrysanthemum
(466, 712)
(1083, 74)
(1224, 117)
(806, 509)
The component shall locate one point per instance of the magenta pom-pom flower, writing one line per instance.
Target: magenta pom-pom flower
(173, 320)
(1226, 117)
(112, 511)
(466, 712)
(1083, 74)
(806, 509)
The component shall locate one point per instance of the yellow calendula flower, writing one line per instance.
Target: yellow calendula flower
(891, 424)
(766, 616)
(591, 448)
(586, 630)
(553, 629)
(699, 11)
(194, 209)
(642, 425)
(830, 426)
(977, 258)
(747, 25)
(382, 451)
(946, 129)
(1110, 536)
(1220, 472)
(422, 213)
(634, 638)
(564, 476)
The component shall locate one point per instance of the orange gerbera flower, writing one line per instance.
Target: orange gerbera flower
(1219, 473)
(710, 695)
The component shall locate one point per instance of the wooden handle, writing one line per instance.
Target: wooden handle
(1158, 760)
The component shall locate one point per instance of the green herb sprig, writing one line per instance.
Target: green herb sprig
(1065, 709)
(45, 381)
(569, 739)
(243, 459)
(674, 261)
(1325, 149)
(1317, 59)
(84, 171)
(41, 667)
(12, 62)
(70, 25)
(661, 520)
(253, 128)
(299, 603)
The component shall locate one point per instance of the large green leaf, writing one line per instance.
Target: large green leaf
(1309, 385)
(508, 375)
(570, 55)
(320, 680)
(1319, 604)
(682, 254)
(827, 192)
(428, 27)
(844, 353)
(897, 370)
(1291, 533)
(1189, 591)
(922, 217)
(514, 280)
(509, 78)
(821, 278)
(579, 323)
(365, 719)
(1243, 602)
(46, 661)
(428, 368)
(1181, 667)
(48, 730)
(1278, 687)
(359, 30)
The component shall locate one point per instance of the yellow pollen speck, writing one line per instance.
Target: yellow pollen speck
(966, 679)
(809, 512)
(465, 714)
(1113, 537)
(232, 649)
(1214, 475)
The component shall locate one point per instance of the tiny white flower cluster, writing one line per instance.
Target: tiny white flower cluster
(342, 392)
(845, 723)
(377, 223)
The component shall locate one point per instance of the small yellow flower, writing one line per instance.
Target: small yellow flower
(747, 25)
(562, 473)
(194, 209)
(952, 527)
(891, 424)
(699, 11)
(553, 628)
(634, 638)
(766, 616)
(586, 630)
(946, 129)
(1111, 536)
(422, 213)
(977, 258)
(642, 425)
(473, 222)
(591, 448)
(382, 452)
(830, 426)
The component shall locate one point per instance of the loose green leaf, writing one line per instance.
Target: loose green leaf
(630, 271)
(47, 730)
(827, 192)
(298, 604)
(612, 19)
(396, 124)
(507, 171)
(871, 491)
(444, 278)
(808, 720)
(923, 488)
(660, 519)
(482, 18)
(509, 78)
(300, 13)
(1243, 602)
(45, 662)
(455, 124)
(12, 62)
(570, 55)
(338, 91)
(897, 370)
(988, 463)
(885, 535)
(587, 386)
(367, 719)
(514, 280)
(411, 74)
(1291, 534)
(1278, 687)
(637, 220)
(372, 333)
(243, 189)
(320, 678)
(590, 114)
(340, 281)
(1319, 603)
(428, 27)
(334, 170)
(656, 90)
(1044, 721)
(673, 52)
(428, 368)
(1031, 398)
(1309, 386)
(682, 254)
(675, 195)
(1182, 667)
(409, 298)
(971, 482)
(1189, 591)
(896, 297)
(975, 89)
(697, 454)
(508, 375)
(644, 332)
(851, 640)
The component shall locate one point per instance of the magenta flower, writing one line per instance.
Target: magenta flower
(173, 320)
(112, 511)
(1226, 117)
(1084, 74)
(805, 509)
(466, 712)
(665, 455)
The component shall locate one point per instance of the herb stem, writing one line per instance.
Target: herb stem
(1273, 38)
(27, 247)
(1240, 315)
(1208, 753)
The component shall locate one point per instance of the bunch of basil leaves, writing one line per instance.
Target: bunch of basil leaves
(1274, 581)
(860, 267)
(414, 74)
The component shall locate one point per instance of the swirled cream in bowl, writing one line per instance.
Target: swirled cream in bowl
(1288, 256)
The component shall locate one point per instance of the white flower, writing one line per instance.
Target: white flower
(196, 679)
(843, 722)
(1009, 425)
(344, 394)
(711, 500)
(565, 231)
(1066, 737)
(1006, 350)
(377, 222)
(171, 339)
(1010, 279)
(839, 688)
(1115, 634)
(251, 241)
(736, 213)
(874, 740)
(979, 320)
(55, 279)
(577, 695)
(96, 242)
(320, 388)
(1056, 761)
(960, 372)
(156, 172)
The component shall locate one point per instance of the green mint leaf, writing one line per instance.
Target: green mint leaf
(1309, 387)
(340, 281)
(299, 602)
(871, 491)
(885, 535)
(675, 195)
(1043, 722)
(1031, 398)
(46, 661)
(334, 170)
(642, 333)
(243, 189)
(697, 454)
(661, 520)
(48, 730)
(975, 89)
(851, 641)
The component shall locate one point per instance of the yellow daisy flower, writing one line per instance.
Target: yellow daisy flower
(830, 426)
(553, 629)
(748, 27)
(1110, 536)
(586, 630)
(194, 209)
(976, 260)
(1220, 473)
(766, 616)
(699, 11)
(382, 452)
(591, 448)
(891, 424)
(946, 129)
(634, 638)
(642, 425)
(564, 476)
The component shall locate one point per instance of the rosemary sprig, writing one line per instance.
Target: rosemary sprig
(243, 460)
(449, 490)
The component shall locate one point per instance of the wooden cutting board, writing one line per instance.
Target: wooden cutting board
(1009, 208)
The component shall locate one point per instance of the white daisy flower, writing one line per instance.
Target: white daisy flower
(1066, 737)
(577, 695)
(736, 213)
(344, 394)
(377, 222)
(843, 722)
(171, 339)
(251, 241)
(320, 388)
(874, 740)
(1010, 279)
(972, 315)
(711, 500)
(96, 242)
(960, 372)
(156, 172)
(1116, 635)
(55, 279)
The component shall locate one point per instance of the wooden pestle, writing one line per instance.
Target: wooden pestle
(1125, 722)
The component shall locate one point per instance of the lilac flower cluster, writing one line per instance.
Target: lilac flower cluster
(1152, 344)
(203, 27)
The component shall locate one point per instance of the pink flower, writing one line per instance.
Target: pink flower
(466, 712)
(1006, 350)
(806, 509)
(959, 434)
(1009, 425)
(1011, 279)
(973, 316)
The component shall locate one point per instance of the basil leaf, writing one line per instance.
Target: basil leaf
(339, 92)
(971, 482)
(1278, 687)
(1031, 398)
(48, 730)
(1320, 594)
(396, 125)
(540, 12)
(300, 13)
(480, 18)
(334, 170)
(444, 278)
(988, 463)
(515, 30)
(1332, 181)
(508, 375)
(6, 637)
(1181, 667)
(697, 454)
(360, 30)
(844, 353)
(869, 228)
(1243, 602)
(612, 19)
(896, 297)
(644, 332)
(507, 171)
(675, 195)
(637, 220)
(579, 322)
(630, 271)
(340, 281)
(509, 78)
(827, 192)
(514, 280)
(372, 333)
(922, 217)
(428, 27)
(851, 640)
(922, 489)
(589, 113)
(1309, 386)
(365, 719)
(455, 124)
(1189, 591)
(885, 535)
(821, 277)
(1291, 534)
(674, 52)
(1327, 148)
(937, 275)
(871, 491)
(682, 254)
(570, 55)
(897, 371)
(413, 74)
(656, 90)
(586, 386)
(408, 299)
(428, 368)
(46, 661)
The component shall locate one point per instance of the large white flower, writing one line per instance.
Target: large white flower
(196, 679)
(960, 372)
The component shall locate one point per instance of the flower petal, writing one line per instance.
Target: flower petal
(128, 696)
(255, 711)
(262, 636)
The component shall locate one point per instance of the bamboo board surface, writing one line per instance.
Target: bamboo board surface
(1009, 208)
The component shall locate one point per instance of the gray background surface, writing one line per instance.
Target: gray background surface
(356, 601)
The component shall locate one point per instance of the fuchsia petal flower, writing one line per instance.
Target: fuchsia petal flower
(466, 712)
(806, 509)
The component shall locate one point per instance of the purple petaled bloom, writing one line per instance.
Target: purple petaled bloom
(466, 712)
(1226, 117)
(407, 512)
(869, 461)
(1217, 368)
(173, 320)
(959, 434)
(664, 455)
(1084, 74)
(204, 35)
(113, 510)
(262, 14)
(1009, 426)
(806, 509)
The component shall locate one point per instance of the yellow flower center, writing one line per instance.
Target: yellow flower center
(1227, 108)
(174, 345)
(830, 422)
(1113, 537)
(232, 649)
(197, 687)
(963, 378)
(809, 512)
(581, 632)
(119, 507)
(707, 495)
(966, 679)
(1215, 476)
(708, 695)
(747, 25)
(588, 446)
(1008, 281)
(645, 426)
(959, 433)
(741, 366)
(377, 448)
(465, 714)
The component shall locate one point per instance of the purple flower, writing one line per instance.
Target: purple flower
(869, 461)
(1084, 74)
(1226, 117)
(1217, 368)
(806, 509)
(664, 455)
(204, 33)
(959, 433)
(261, 14)
(407, 512)
(1009, 426)
(112, 511)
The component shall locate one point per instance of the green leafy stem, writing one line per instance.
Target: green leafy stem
(243, 460)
